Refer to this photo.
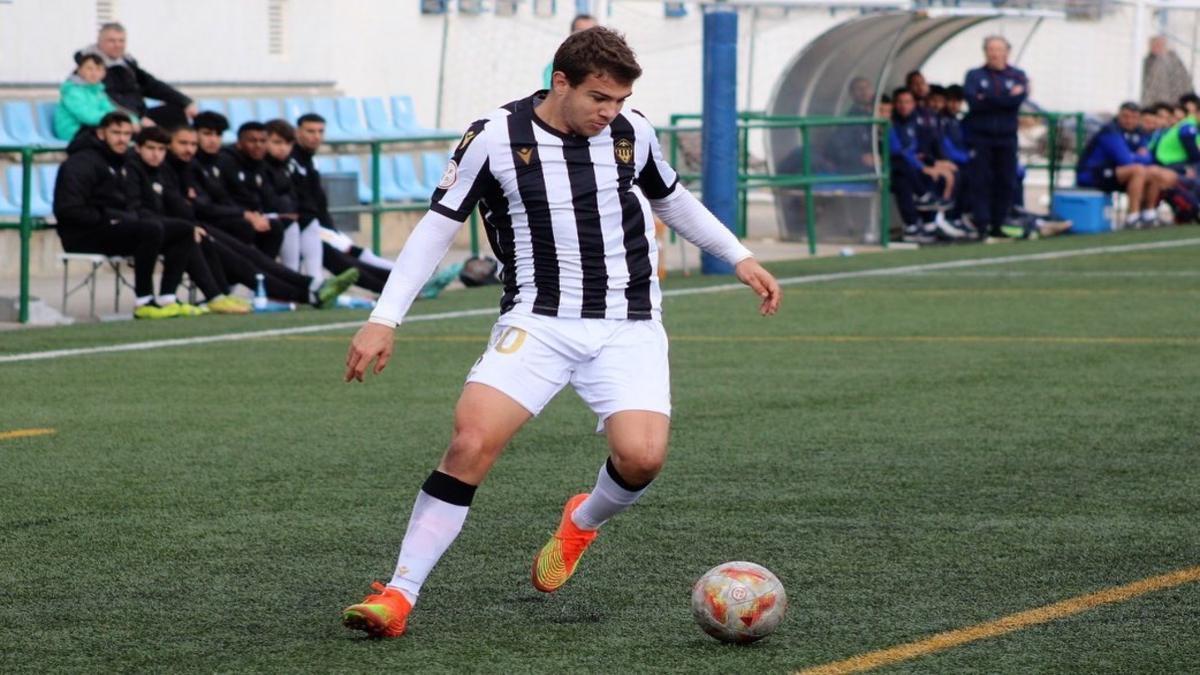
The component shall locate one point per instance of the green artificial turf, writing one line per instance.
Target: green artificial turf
(910, 454)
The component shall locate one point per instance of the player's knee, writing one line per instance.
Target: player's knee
(467, 445)
(641, 467)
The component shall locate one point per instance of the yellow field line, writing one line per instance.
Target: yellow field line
(1007, 624)
(971, 339)
(24, 433)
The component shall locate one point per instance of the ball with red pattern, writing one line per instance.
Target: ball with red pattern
(738, 602)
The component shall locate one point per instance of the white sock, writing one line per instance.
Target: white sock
(289, 250)
(373, 260)
(607, 499)
(168, 299)
(1149, 214)
(312, 252)
(432, 527)
(1131, 218)
(143, 300)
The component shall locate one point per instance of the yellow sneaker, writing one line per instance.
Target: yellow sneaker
(224, 304)
(150, 311)
(383, 614)
(557, 560)
(184, 309)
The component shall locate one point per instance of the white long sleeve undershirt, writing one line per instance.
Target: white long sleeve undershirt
(426, 246)
(682, 212)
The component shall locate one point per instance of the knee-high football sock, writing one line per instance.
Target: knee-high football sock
(611, 496)
(437, 518)
(312, 251)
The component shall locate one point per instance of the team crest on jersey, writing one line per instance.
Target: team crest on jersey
(466, 140)
(216, 172)
(241, 176)
(157, 187)
(623, 149)
(258, 179)
(526, 154)
(450, 177)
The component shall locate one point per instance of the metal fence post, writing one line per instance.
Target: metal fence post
(885, 186)
(1052, 139)
(475, 233)
(810, 209)
(376, 199)
(26, 229)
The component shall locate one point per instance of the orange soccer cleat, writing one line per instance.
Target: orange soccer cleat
(557, 560)
(384, 614)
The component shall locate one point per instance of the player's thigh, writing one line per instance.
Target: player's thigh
(485, 420)
(631, 372)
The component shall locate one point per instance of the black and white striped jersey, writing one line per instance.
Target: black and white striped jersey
(567, 216)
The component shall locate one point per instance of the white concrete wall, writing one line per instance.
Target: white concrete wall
(377, 47)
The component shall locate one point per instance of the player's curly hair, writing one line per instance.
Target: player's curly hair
(596, 51)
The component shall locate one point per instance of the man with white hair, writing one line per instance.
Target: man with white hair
(1164, 77)
(129, 86)
(994, 93)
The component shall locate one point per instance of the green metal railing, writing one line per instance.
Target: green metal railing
(27, 223)
(751, 121)
(377, 207)
(1053, 164)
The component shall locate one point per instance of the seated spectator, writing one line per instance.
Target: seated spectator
(129, 86)
(339, 253)
(1178, 112)
(301, 239)
(1109, 162)
(231, 260)
(1190, 103)
(914, 181)
(883, 111)
(147, 195)
(848, 149)
(1162, 122)
(954, 150)
(242, 175)
(82, 101)
(95, 215)
(213, 204)
(1176, 147)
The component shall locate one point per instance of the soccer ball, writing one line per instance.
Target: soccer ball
(738, 602)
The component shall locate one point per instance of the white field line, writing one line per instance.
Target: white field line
(788, 281)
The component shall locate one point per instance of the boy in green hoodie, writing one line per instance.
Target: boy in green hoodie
(83, 101)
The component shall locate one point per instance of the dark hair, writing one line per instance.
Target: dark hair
(885, 99)
(900, 91)
(1131, 106)
(580, 17)
(1161, 106)
(937, 90)
(247, 127)
(955, 92)
(596, 51)
(178, 129)
(1189, 98)
(152, 135)
(909, 77)
(114, 118)
(306, 118)
(281, 129)
(80, 58)
(211, 120)
(1149, 110)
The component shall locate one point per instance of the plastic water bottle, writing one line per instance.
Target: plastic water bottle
(260, 293)
(353, 302)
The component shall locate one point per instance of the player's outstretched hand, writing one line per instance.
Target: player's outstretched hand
(372, 342)
(752, 274)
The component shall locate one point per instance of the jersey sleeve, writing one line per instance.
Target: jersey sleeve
(466, 177)
(657, 178)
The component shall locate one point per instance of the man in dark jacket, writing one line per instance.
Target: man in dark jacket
(95, 215)
(301, 240)
(231, 260)
(1111, 162)
(994, 93)
(213, 202)
(339, 252)
(242, 175)
(129, 86)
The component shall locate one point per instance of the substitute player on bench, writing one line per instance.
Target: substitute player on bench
(569, 186)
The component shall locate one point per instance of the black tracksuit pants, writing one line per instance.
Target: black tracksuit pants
(240, 263)
(993, 169)
(144, 239)
(369, 277)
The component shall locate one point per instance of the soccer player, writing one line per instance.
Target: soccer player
(569, 186)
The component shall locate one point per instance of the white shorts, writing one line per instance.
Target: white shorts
(613, 364)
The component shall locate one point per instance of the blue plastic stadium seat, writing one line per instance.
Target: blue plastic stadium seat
(378, 120)
(406, 178)
(8, 207)
(433, 165)
(350, 119)
(404, 117)
(295, 106)
(268, 109)
(240, 112)
(37, 204)
(326, 164)
(352, 164)
(213, 104)
(47, 175)
(18, 122)
(387, 180)
(45, 118)
(327, 108)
